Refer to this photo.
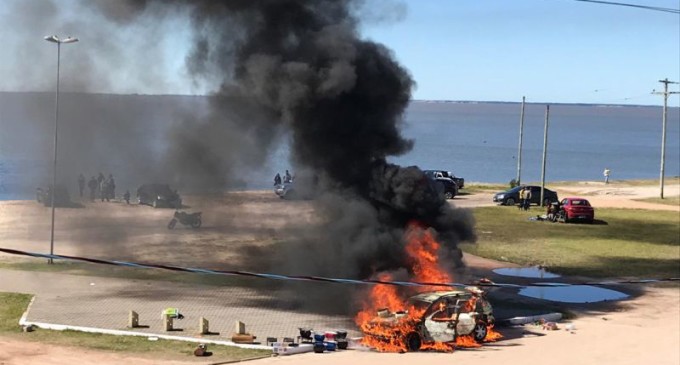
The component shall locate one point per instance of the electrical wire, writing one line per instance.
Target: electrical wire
(654, 8)
(481, 282)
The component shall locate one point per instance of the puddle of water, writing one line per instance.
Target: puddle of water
(572, 294)
(526, 272)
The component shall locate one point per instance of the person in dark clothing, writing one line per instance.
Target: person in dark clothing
(92, 184)
(111, 185)
(100, 181)
(126, 196)
(277, 179)
(81, 184)
(527, 198)
(104, 190)
(287, 178)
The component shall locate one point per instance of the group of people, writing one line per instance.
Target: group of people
(554, 211)
(287, 178)
(100, 186)
(525, 198)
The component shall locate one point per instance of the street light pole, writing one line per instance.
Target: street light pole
(519, 149)
(665, 94)
(55, 39)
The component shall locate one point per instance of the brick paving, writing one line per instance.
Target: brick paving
(105, 303)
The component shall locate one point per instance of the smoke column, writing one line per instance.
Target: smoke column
(300, 67)
(295, 69)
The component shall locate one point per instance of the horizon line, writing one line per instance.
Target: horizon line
(442, 101)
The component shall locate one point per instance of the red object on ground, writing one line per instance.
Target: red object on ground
(578, 208)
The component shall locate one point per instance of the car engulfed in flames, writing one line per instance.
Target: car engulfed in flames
(430, 319)
(437, 320)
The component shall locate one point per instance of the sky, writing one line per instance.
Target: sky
(547, 50)
(559, 51)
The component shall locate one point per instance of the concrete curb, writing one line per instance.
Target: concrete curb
(23, 321)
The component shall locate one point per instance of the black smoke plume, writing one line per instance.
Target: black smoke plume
(301, 67)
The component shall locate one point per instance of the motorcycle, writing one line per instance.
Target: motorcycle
(187, 219)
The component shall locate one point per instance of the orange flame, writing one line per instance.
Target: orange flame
(396, 319)
(492, 335)
(388, 335)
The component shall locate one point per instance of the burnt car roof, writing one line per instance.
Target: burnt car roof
(431, 297)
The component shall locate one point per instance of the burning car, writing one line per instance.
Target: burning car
(434, 319)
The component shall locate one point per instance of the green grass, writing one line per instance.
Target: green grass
(482, 188)
(13, 305)
(674, 200)
(625, 243)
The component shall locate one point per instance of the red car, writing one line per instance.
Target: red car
(577, 208)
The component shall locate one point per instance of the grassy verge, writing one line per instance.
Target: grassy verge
(13, 305)
(482, 188)
(675, 200)
(622, 243)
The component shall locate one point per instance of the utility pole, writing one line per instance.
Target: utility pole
(519, 149)
(665, 94)
(545, 151)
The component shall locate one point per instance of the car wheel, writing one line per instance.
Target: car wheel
(196, 223)
(510, 201)
(448, 195)
(413, 342)
(480, 331)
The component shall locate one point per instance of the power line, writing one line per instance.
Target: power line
(270, 276)
(655, 8)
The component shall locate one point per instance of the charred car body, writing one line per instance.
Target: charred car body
(158, 195)
(436, 317)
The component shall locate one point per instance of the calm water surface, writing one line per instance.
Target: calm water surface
(478, 141)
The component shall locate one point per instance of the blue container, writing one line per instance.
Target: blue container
(319, 337)
(330, 346)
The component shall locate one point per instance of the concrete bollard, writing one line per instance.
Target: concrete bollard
(240, 328)
(133, 320)
(168, 323)
(204, 326)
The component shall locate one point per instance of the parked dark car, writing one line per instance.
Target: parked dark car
(511, 197)
(158, 195)
(444, 185)
(440, 174)
(61, 196)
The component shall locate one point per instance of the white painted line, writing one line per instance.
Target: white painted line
(64, 327)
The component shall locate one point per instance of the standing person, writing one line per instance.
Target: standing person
(288, 178)
(81, 184)
(606, 173)
(527, 198)
(277, 179)
(92, 184)
(126, 196)
(104, 190)
(522, 193)
(111, 185)
(100, 180)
